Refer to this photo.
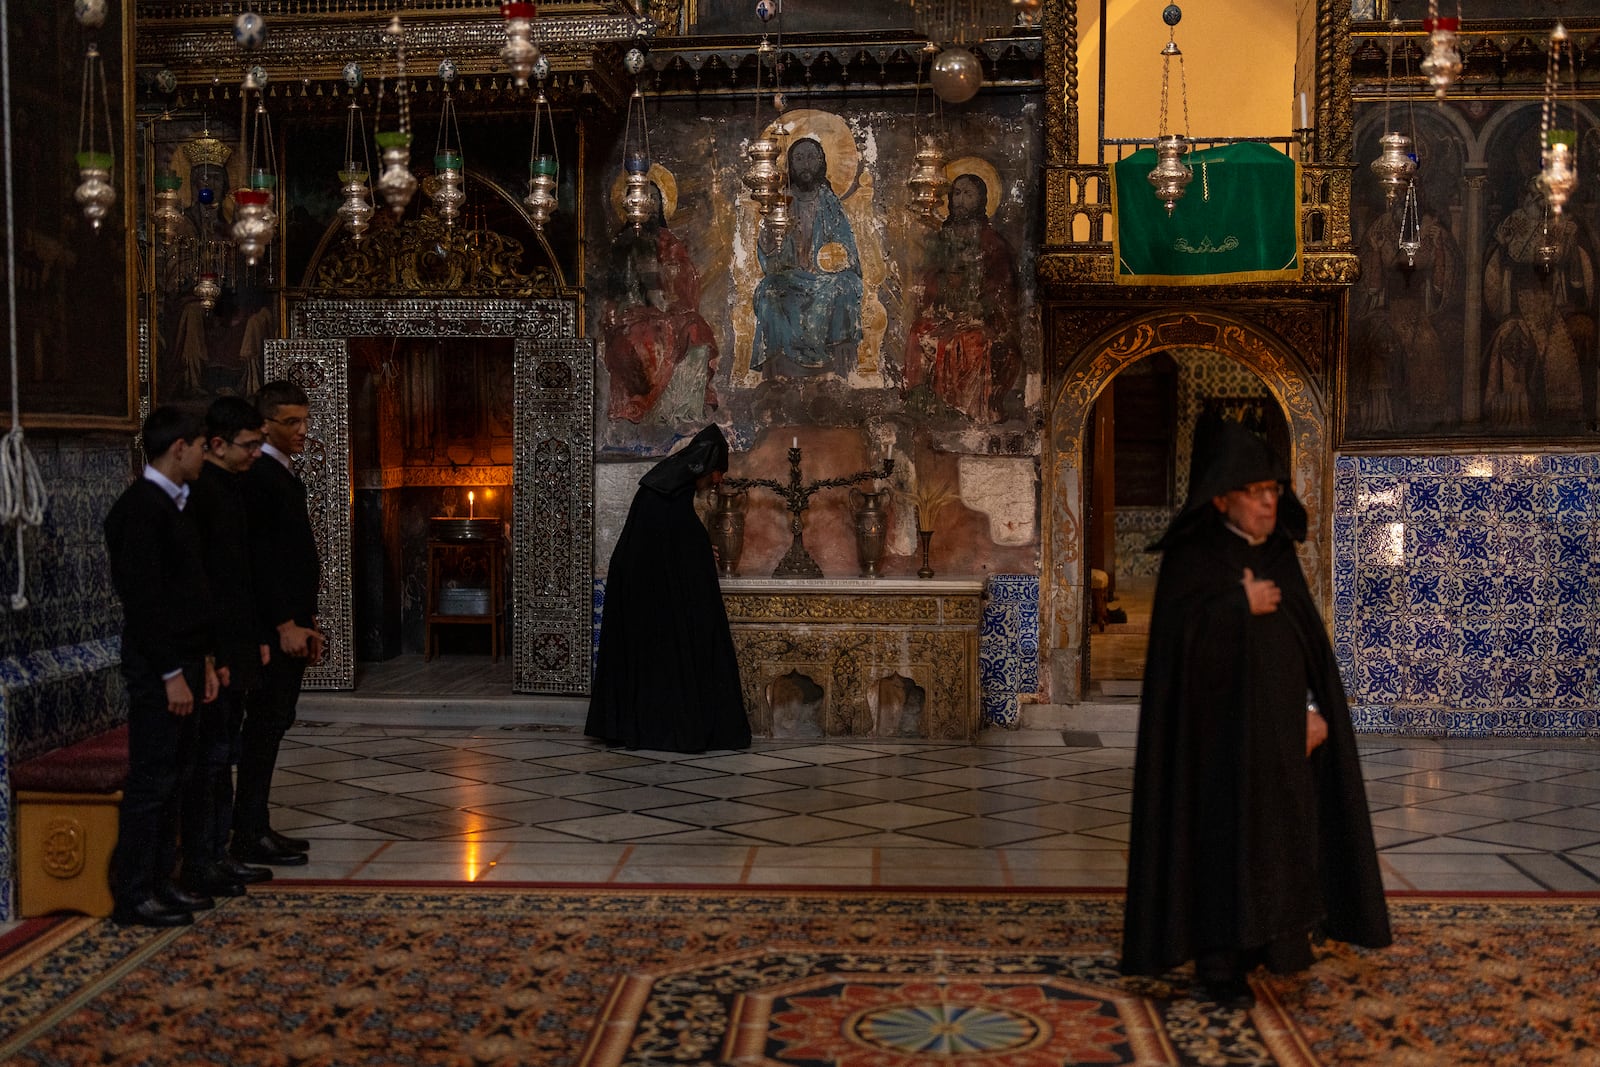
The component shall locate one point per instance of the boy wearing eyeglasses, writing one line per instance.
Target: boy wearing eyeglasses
(234, 439)
(286, 572)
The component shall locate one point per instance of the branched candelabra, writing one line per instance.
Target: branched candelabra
(797, 562)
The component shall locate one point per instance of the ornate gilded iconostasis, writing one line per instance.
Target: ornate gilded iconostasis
(893, 318)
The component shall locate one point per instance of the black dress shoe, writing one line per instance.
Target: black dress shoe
(264, 850)
(286, 843)
(149, 912)
(212, 881)
(179, 899)
(241, 872)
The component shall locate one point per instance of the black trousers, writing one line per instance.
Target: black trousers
(207, 806)
(161, 753)
(269, 710)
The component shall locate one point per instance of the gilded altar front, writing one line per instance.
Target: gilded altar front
(858, 658)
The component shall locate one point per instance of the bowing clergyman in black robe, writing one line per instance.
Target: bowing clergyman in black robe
(667, 678)
(1250, 831)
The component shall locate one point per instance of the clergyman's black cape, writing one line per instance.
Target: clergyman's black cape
(667, 678)
(1238, 839)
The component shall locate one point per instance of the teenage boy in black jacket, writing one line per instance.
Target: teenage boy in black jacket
(216, 501)
(154, 551)
(283, 556)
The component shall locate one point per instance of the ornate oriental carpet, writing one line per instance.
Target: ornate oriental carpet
(308, 975)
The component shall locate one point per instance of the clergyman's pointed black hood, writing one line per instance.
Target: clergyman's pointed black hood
(1228, 456)
(706, 452)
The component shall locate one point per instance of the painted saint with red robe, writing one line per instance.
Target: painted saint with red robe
(659, 349)
(962, 342)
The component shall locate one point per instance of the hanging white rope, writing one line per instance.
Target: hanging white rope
(22, 493)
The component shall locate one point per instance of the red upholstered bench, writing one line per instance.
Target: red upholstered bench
(67, 825)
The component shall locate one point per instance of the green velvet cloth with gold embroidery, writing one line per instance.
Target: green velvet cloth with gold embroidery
(1238, 220)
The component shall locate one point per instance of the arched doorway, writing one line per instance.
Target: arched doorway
(1064, 593)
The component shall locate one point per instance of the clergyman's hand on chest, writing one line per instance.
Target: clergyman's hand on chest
(1263, 593)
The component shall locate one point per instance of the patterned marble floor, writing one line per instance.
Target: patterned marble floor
(538, 802)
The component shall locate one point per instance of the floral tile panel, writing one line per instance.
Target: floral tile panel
(1467, 593)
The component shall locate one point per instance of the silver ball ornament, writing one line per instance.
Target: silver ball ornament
(633, 61)
(956, 75)
(353, 76)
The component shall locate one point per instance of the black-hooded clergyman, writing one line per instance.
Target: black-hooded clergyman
(1250, 833)
(668, 678)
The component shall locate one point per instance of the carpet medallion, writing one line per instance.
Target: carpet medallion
(306, 976)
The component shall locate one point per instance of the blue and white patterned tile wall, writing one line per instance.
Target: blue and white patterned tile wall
(1136, 530)
(1008, 647)
(59, 655)
(1467, 593)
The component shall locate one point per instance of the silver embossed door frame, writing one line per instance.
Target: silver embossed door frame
(553, 469)
(322, 368)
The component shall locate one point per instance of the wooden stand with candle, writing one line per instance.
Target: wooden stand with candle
(466, 579)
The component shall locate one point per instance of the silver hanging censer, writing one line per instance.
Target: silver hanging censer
(541, 198)
(1171, 175)
(94, 192)
(166, 215)
(206, 290)
(1443, 62)
(927, 182)
(1558, 169)
(636, 201)
(519, 53)
(544, 168)
(356, 208)
(1395, 164)
(1557, 178)
(253, 222)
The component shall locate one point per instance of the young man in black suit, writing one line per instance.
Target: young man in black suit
(154, 551)
(283, 556)
(234, 440)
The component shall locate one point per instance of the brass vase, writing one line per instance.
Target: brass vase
(726, 526)
(925, 540)
(872, 530)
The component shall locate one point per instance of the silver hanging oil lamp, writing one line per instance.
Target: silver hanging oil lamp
(1558, 165)
(1395, 164)
(396, 183)
(1171, 175)
(927, 182)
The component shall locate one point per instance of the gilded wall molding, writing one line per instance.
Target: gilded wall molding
(1083, 370)
(886, 610)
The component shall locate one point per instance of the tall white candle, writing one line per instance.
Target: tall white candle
(795, 443)
(1305, 114)
(470, 505)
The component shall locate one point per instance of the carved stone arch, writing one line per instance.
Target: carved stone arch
(1064, 586)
